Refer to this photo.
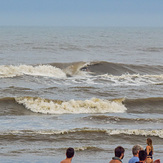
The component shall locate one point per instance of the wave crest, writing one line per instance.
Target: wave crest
(93, 105)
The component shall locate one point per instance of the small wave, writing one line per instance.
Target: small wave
(93, 105)
(41, 70)
(115, 119)
(152, 49)
(86, 148)
(110, 132)
(137, 132)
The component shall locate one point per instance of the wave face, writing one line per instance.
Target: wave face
(8, 106)
(148, 105)
(93, 105)
(118, 69)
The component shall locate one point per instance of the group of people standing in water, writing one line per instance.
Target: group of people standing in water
(139, 155)
(143, 156)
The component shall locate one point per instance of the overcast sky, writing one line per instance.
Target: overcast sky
(81, 12)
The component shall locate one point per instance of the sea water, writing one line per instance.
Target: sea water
(89, 88)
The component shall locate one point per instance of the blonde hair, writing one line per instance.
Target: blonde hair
(149, 142)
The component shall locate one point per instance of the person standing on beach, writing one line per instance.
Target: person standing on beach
(119, 154)
(135, 152)
(69, 155)
(149, 150)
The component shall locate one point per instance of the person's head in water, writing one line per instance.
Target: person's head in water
(142, 155)
(70, 152)
(119, 152)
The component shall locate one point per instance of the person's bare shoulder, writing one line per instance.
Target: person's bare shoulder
(148, 147)
(114, 161)
(65, 161)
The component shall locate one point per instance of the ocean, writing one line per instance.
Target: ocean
(90, 88)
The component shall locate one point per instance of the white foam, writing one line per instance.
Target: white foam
(158, 133)
(88, 106)
(41, 70)
(134, 79)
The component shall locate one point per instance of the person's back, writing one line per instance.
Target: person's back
(119, 154)
(135, 152)
(115, 161)
(134, 159)
(66, 161)
(69, 155)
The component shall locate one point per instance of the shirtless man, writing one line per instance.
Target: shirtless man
(119, 154)
(69, 155)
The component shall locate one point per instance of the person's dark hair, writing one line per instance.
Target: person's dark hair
(118, 151)
(70, 152)
(142, 155)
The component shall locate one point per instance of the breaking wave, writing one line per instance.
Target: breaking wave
(41, 70)
(61, 70)
(93, 105)
(49, 70)
(34, 105)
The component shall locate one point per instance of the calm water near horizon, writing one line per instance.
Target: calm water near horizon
(90, 88)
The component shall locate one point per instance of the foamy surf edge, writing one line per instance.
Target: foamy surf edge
(94, 105)
(110, 132)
